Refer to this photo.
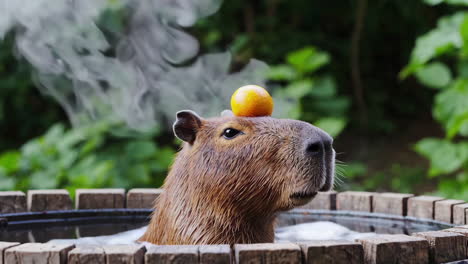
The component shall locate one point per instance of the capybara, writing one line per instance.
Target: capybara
(233, 174)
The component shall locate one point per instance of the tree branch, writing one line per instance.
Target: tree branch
(355, 59)
(249, 19)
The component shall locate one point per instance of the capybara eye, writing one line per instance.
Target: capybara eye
(230, 133)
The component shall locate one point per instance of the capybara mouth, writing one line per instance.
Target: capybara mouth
(303, 195)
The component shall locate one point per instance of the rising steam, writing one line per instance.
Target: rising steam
(140, 75)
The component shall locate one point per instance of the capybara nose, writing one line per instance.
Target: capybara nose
(319, 145)
(314, 147)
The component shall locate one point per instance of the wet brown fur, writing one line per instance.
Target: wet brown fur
(221, 191)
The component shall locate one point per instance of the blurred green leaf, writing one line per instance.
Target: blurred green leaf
(138, 150)
(454, 187)
(335, 106)
(42, 180)
(164, 158)
(434, 75)
(445, 156)
(112, 19)
(239, 43)
(451, 2)
(464, 128)
(9, 161)
(433, 2)
(451, 106)
(282, 73)
(140, 175)
(458, 124)
(308, 59)
(464, 33)
(212, 38)
(462, 69)
(54, 133)
(295, 111)
(67, 159)
(332, 126)
(324, 87)
(6, 183)
(457, 2)
(298, 89)
(404, 178)
(353, 169)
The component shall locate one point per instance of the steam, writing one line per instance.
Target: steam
(140, 75)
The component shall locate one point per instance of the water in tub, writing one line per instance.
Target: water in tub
(321, 230)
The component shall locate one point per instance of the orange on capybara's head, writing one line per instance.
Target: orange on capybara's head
(234, 174)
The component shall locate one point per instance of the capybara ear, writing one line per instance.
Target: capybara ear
(187, 125)
(227, 113)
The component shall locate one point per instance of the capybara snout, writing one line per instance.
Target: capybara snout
(318, 145)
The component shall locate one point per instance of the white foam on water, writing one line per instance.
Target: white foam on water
(322, 230)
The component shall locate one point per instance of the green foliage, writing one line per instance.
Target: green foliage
(435, 75)
(447, 42)
(451, 108)
(398, 178)
(444, 39)
(86, 157)
(315, 93)
(308, 60)
(452, 2)
(445, 156)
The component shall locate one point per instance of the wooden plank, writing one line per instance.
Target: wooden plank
(121, 254)
(267, 253)
(87, 254)
(4, 246)
(391, 203)
(444, 246)
(171, 254)
(215, 254)
(49, 200)
(12, 202)
(332, 252)
(422, 206)
(459, 230)
(100, 198)
(142, 198)
(401, 249)
(444, 210)
(38, 253)
(354, 201)
(459, 214)
(322, 201)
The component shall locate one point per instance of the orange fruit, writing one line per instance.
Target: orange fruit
(251, 100)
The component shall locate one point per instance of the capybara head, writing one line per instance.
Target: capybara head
(243, 170)
(278, 163)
